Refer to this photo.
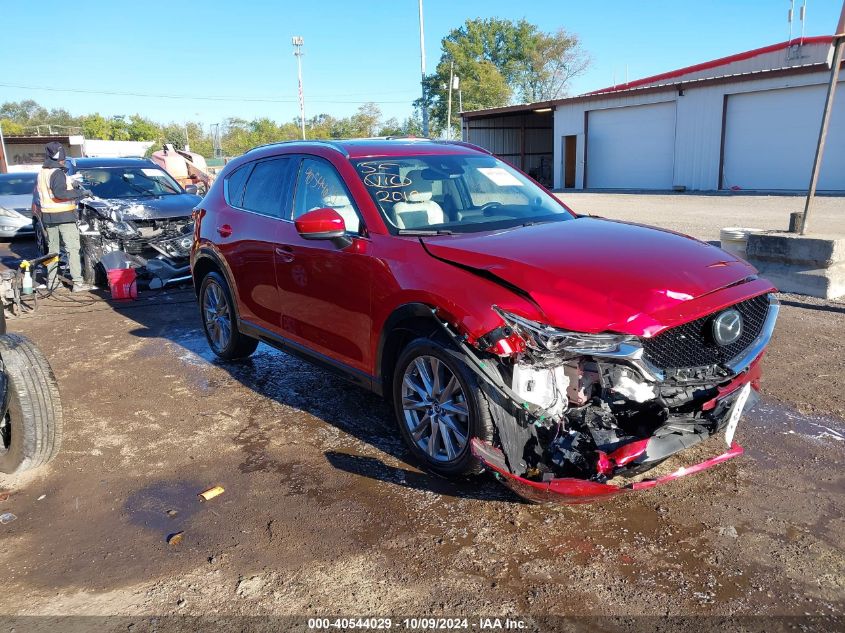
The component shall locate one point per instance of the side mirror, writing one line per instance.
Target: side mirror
(321, 224)
(192, 189)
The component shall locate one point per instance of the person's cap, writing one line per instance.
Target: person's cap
(55, 151)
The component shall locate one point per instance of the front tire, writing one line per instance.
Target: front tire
(93, 271)
(31, 429)
(40, 237)
(439, 408)
(219, 322)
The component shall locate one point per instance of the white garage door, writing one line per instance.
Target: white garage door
(631, 147)
(771, 136)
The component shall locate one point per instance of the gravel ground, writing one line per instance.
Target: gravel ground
(324, 513)
(702, 216)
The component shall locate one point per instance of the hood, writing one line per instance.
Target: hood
(21, 203)
(147, 207)
(594, 275)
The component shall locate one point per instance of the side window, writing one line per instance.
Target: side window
(265, 191)
(319, 186)
(234, 185)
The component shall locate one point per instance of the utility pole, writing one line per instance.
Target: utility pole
(422, 68)
(4, 165)
(297, 42)
(838, 45)
(449, 107)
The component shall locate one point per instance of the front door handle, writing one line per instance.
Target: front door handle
(285, 253)
(225, 230)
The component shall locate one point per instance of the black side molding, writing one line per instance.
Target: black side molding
(351, 374)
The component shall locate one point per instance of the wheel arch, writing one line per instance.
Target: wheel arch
(404, 324)
(206, 261)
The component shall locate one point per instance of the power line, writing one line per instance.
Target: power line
(193, 97)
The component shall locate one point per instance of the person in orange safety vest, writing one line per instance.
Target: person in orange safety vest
(57, 197)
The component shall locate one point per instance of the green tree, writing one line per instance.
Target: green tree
(11, 128)
(120, 129)
(23, 112)
(142, 129)
(95, 126)
(366, 121)
(500, 62)
(553, 59)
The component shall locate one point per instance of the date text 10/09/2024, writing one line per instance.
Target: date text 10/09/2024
(376, 623)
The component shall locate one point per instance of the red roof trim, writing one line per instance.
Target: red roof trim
(820, 39)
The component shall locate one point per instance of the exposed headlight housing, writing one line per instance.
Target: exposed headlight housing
(9, 213)
(122, 229)
(542, 337)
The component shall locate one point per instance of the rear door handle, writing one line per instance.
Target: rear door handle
(225, 230)
(285, 253)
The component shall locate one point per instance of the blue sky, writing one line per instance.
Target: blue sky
(354, 51)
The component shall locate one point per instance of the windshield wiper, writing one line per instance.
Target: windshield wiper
(424, 232)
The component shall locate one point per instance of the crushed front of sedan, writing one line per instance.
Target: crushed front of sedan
(572, 410)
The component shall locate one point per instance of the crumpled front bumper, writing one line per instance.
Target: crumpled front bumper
(569, 490)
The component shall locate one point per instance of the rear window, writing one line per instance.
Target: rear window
(235, 182)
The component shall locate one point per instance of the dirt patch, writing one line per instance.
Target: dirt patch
(324, 513)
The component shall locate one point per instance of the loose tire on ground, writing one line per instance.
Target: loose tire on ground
(31, 430)
(236, 345)
(479, 423)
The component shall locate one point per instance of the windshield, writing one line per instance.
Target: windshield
(16, 184)
(129, 182)
(456, 194)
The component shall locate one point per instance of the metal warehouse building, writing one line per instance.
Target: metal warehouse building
(749, 121)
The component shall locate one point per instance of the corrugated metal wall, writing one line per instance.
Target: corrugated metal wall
(525, 140)
(698, 133)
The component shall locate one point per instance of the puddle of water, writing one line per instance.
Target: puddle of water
(165, 507)
(769, 415)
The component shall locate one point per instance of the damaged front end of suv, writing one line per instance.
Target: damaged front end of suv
(573, 411)
(117, 234)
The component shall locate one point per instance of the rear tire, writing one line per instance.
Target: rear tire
(435, 407)
(219, 322)
(31, 429)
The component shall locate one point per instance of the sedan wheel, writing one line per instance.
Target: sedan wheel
(218, 319)
(435, 409)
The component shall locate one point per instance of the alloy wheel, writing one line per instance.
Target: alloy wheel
(5, 433)
(218, 321)
(435, 408)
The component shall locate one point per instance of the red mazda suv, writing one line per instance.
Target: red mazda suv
(567, 353)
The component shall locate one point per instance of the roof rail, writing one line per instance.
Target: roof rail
(406, 137)
(469, 145)
(324, 143)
